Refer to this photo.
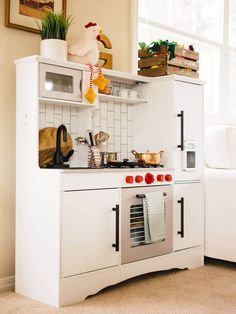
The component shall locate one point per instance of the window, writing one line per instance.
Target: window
(210, 26)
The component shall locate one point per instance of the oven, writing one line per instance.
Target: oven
(133, 244)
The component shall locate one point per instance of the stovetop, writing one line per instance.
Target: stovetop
(130, 164)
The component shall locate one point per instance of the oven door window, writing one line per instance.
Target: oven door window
(137, 234)
(59, 83)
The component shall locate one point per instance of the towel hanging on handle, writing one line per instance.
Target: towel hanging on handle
(154, 217)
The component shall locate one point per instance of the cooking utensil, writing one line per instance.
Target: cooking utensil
(148, 158)
(112, 156)
(101, 138)
(91, 138)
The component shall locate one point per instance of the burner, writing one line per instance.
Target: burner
(130, 164)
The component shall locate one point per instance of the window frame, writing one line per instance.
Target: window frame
(223, 47)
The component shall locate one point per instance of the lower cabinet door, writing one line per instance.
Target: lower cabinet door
(89, 230)
(188, 215)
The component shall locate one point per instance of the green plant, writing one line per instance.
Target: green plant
(54, 26)
(142, 45)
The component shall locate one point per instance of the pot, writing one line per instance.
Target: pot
(148, 158)
(108, 157)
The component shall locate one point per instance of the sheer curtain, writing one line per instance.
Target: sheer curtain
(210, 26)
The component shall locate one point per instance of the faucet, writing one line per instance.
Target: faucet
(58, 157)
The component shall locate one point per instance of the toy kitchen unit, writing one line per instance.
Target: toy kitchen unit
(79, 230)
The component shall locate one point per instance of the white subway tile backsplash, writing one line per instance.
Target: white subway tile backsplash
(117, 127)
(49, 124)
(110, 131)
(110, 119)
(110, 106)
(113, 118)
(124, 107)
(103, 110)
(130, 112)
(57, 109)
(66, 114)
(96, 118)
(130, 147)
(129, 128)
(117, 144)
(74, 111)
(123, 136)
(42, 120)
(117, 111)
(49, 113)
(42, 108)
(74, 124)
(124, 120)
(110, 147)
(104, 125)
(123, 152)
(57, 120)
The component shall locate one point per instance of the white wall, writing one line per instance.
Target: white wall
(113, 16)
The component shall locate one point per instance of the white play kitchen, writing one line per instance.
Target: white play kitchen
(81, 229)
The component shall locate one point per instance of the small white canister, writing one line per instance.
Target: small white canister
(82, 153)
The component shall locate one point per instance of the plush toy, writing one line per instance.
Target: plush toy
(86, 51)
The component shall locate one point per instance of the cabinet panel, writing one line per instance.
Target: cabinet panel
(88, 230)
(188, 99)
(190, 197)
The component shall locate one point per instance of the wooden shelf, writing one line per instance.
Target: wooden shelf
(121, 99)
(74, 104)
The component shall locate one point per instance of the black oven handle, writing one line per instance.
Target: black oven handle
(117, 244)
(181, 202)
(143, 195)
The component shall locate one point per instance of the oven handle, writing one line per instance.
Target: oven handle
(181, 232)
(143, 195)
(117, 244)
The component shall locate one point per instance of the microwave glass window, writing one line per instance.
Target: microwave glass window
(191, 160)
(59, 82)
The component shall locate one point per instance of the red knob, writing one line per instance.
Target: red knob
(160, 177)
(149, 178)
(139, 179)
(168, 177)
(129, 179)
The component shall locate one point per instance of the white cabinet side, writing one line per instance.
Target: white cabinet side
(37, 200)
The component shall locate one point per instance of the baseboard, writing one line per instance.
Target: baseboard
(7, 283)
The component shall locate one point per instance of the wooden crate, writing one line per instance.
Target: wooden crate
(185, 63)
(167, 70)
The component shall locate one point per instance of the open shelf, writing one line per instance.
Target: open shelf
(121, 99)
(74, 104)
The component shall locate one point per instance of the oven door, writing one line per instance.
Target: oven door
(60, 83)
(133, 246)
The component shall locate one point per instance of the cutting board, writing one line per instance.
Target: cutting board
(47, 145)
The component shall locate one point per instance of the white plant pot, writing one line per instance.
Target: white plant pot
(54, 49)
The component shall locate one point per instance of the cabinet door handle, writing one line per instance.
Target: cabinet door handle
(181, 232)
(181, 116)
(117, 244)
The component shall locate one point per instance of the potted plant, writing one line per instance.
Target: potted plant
(53, 31)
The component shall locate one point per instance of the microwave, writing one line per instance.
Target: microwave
(60, 83)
